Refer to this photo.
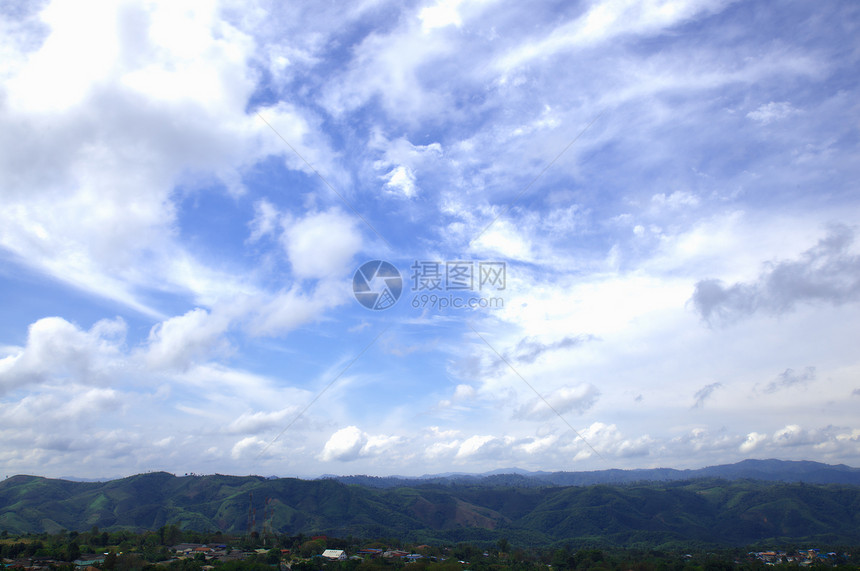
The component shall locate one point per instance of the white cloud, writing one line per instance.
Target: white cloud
(577, 398)
(441, 450)
(606, 20)
(246, 447)
(400, 163)
(48, 66)
(53, 405)
(256, 422)
(322, 245)
(538, 445)
(388, 65)
(266, 220)
(443, 13)
(793, 435)
(504, 240)
(608, 440)
(401, 181)
(752, 442)
(180, 341)
(677, 199)
(479, 445)
(771, 112)
(289, 309)
(57, 349)
(380, 443)
(158, 100)
(344, 445)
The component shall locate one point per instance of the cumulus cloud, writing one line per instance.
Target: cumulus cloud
(827, 273)
(401, 181)
(696, 440)
(752, 442)
(609, 440)
(483, 446)
(56, 404)
(351, 443)
(344, 445)
(794, 435)
(180, 341)
(538, 445)
(704, 393)
(442, 13)
(159, 103)
(322, 244)
(401, 161)
(142, 109)
(57, 349)
(246, 447)
(441, 450)
(256, 422)
(577, 398)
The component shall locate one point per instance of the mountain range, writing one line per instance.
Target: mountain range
(741, 504)
(765, 470)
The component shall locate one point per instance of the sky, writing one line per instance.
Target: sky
(615, 234)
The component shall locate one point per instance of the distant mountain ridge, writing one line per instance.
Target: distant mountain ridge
(764, 470)
(526, 510)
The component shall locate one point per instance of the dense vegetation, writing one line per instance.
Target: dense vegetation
(126, 551)
(666, 515)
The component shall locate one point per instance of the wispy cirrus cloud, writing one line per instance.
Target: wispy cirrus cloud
(704, 394)
(790, 378)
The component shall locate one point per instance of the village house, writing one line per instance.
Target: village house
(334, 554)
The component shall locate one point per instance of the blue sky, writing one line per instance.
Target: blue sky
(189, 188)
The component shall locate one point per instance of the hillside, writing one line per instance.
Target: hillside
(705, 511)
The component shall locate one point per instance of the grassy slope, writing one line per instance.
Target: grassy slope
(703, 511)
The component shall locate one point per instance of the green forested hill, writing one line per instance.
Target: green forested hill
(700, 511)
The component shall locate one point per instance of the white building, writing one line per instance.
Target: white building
(334, 554)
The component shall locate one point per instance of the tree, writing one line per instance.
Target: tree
(312, 547)
(273, 557)
(73, 551)
(562, 559)
(172, 535)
